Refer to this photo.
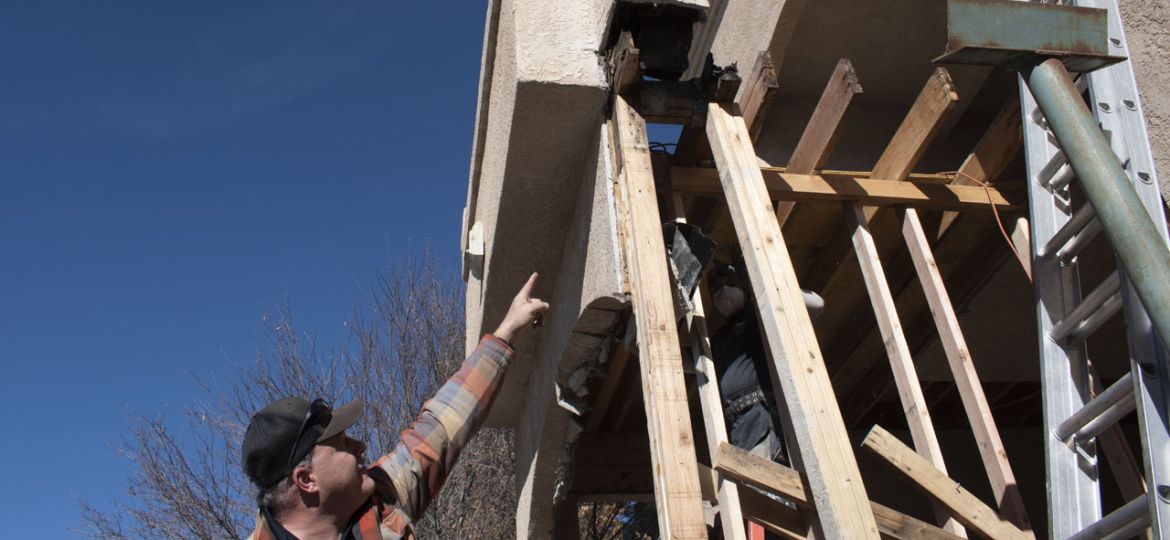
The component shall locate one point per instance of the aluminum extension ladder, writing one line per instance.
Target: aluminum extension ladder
(1072, 416)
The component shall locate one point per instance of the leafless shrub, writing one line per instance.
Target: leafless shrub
(187, 483)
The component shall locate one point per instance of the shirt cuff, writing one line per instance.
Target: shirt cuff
(507, 345)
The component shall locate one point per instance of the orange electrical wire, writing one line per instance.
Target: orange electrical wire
(998, 220)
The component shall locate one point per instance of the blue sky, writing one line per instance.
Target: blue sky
(170, 172)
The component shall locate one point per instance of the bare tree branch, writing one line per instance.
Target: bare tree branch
(187, 482)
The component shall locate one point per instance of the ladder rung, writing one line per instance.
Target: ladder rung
(1061, 178)
(1102, 303)
(1111, 416)
(1121, 523)
(1105, 403)
(1075, 225)
(1051, 168)
(1078, 244)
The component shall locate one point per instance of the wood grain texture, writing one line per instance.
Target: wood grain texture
(672, 450)
(967, 508)
(797, 368)
(937, 98)
(991, 449)
(761, 473)
(864, 191)
(823, 128)
(897, 350)
(992, 154)
(710, 403)
(758, 93)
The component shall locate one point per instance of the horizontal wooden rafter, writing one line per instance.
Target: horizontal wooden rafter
(864, 191)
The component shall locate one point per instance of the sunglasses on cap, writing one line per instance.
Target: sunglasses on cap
(319, 413)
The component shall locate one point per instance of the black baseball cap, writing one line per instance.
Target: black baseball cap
(284, 432)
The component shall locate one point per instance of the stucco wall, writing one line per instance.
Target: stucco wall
(589, 280)
(1147, 27)
(537, 127)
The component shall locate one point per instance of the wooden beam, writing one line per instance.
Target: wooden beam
(937, 98)
(710, 402)
(999, 470)
(623, 65)
(756, 96)
(864, 191)
(833, 271)
(967, 508)
(968, 79)
(797, 369)
(898, 351)
(759, 508)
(823, 128)
(973, 249)
(672, 451)
(996, 149)
(998, 146)
(910, 141)
(761, 473)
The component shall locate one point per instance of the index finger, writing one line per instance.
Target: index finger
(526, 290)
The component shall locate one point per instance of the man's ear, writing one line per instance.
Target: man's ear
(304, 479)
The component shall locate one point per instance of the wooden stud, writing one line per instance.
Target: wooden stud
(823, 128)
(898, 351)
(999, 144)
(864, 191)
(996, 149)
(672, 451)
(757, 94)
(711, 403)
(759, 472)
(754, 99)
(968, 79)
(999, 470)
(797, 369)
(974, 249)
(937, 98)
(759, 508)
(967, 508)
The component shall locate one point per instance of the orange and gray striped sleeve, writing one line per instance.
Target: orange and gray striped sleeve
(426, 452)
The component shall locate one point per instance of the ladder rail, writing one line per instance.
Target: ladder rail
(1074, 501)
(1113, 93)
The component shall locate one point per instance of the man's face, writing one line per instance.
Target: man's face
(339, 464)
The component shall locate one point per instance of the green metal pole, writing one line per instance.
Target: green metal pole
(1138, 243)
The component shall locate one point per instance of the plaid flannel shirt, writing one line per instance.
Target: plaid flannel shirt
(407, 479)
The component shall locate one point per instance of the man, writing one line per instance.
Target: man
(313, 479)
(741, 366)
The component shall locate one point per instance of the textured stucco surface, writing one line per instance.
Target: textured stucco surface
(1147, 27)
(544, 102)
(589, 279)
